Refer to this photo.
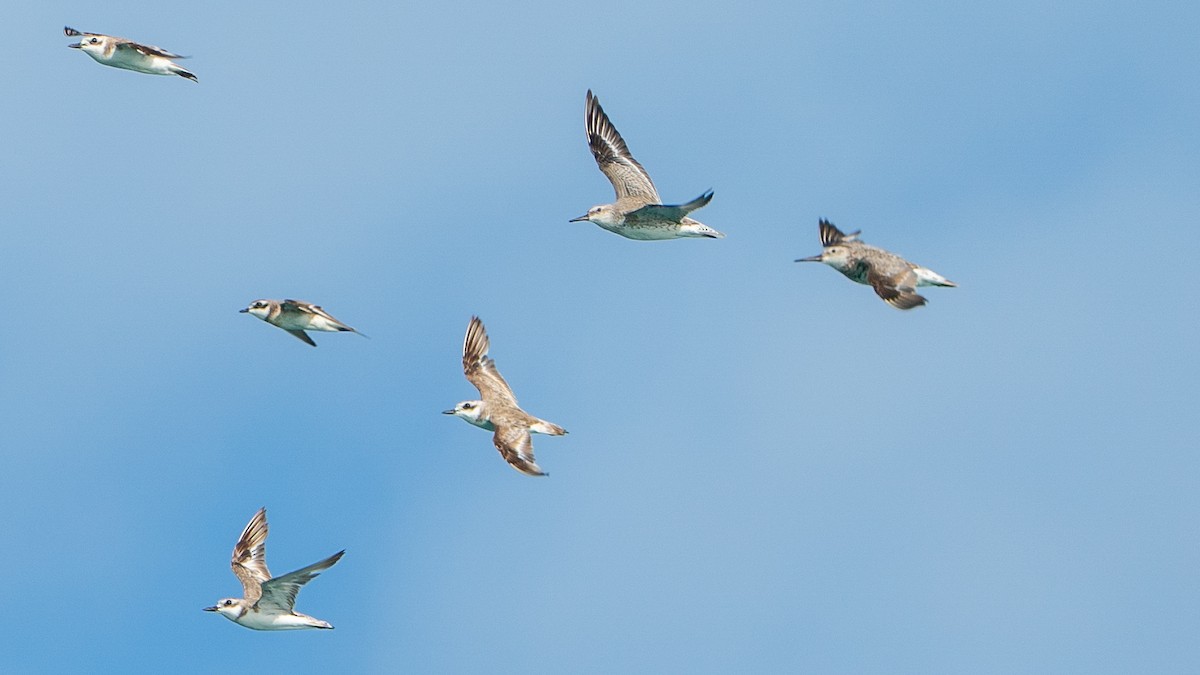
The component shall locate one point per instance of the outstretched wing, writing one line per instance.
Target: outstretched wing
(302, 335)
(316, 310)
(666, 212)
(516, 447)
(280, 592)
(147, 50)
(300, 306)
(249, 560)
(630, 181)
(830, 235)
(897, 291)
(71, 32)
(481, 370)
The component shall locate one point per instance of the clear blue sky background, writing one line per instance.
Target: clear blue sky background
(768, 468)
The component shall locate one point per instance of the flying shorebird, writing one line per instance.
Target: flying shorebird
(267, 602)
(498, 411)
(638, 212)
(296, 316)
(893, 278)
(121, 53)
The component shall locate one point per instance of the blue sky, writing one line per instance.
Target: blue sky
(768, 468)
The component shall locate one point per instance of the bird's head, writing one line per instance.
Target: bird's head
(230, 608)
(836, 256)
(472, 412)
(605, 215)
(94, 45)
(259, 308)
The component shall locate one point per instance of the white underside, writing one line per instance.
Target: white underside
(309, 322)
(263, 621)
(152, 65)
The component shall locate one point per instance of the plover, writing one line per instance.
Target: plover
(267, 602)
(893, 278)
(498, 411)
(121, 53)
(638, 212)
(296, 316)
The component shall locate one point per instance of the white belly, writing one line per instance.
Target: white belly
(264, 621)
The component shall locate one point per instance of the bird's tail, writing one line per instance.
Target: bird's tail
(549, 428)
(185, 73)
(931, 278)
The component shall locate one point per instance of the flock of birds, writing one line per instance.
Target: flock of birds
(267, 602)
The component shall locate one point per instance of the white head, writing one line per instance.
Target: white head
(95, 46)
(259, 308)
(605, 215)
(230, 608)
(837, 257)
(472, 413)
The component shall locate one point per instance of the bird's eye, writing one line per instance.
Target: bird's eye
(467, 406)
(94, 40)
(228, 603)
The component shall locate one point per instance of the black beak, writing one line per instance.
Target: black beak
(811, 258)
(447, 412)
(243, 310)
(576, 220)
(211, 609)
(76, 45)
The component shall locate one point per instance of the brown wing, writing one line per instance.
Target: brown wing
(299, 306)
(630, 181)
(249, 561)
(148, 50)
(516, 447)
(481, 370)
(897, 290)
(831, 235)
(317, 310)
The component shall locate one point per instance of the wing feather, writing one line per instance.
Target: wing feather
(480, 369)
(629, 179)
(302, 335)
(897, 291)
(516, 447)
(147, 50)
(831, 235)
(249, 561)
(280, 592)
(667, 212)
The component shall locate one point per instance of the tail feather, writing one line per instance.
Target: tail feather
(548, 428)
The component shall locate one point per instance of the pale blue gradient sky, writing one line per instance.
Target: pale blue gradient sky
(768, 468)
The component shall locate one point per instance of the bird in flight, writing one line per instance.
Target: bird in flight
(296, 316)
(267, 602)
(498, 411)
(638, 212)
(121, 53)
(893, 278)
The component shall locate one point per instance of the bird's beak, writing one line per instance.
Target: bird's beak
(447, 412)
(243, 310)
(576, 220)
(211, 609)
(76, 45)
(811, 258)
